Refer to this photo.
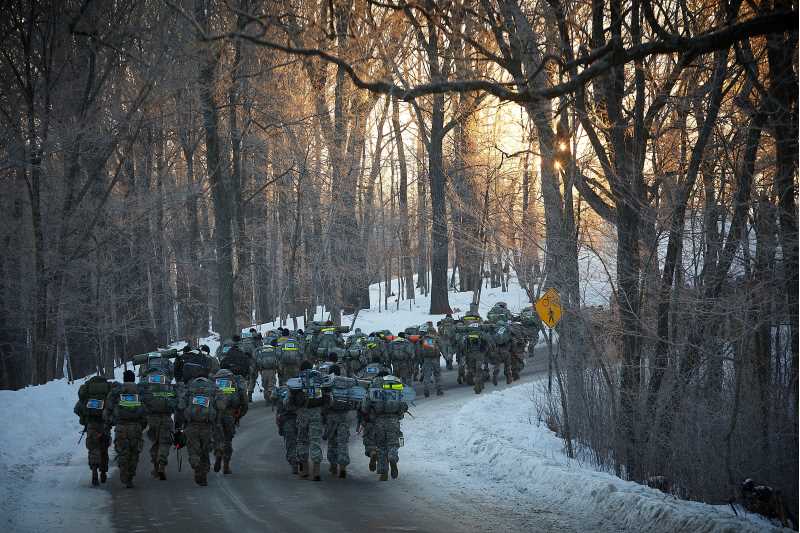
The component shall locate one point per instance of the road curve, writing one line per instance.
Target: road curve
(262, 494)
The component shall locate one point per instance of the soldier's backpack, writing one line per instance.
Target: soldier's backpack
(154, 362)
(158, 394)
(346, 393)
(200, 401)
(310, 382)
(388, 395)
(195, 365)
(289, 352)
(400, 349)
(248, 343)
(129, 406)
(267, 357)
(227, 391)
(236, 361)
(502, 335)
(92, 399)
(473, 340)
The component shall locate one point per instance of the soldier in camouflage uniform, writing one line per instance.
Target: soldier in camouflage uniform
(446, 341)
(476, 346)
(158, 396)
(401, 353)
(337, 431)
(197, 415)
(386, 412)
(431, 368)
(232, 405)
(125, 410)
(288, 403)
(310, 425)
(92, 397)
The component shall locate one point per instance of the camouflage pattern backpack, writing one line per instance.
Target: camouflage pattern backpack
(126, 400)
(289, 352)
(198, 403)
(267, 357)
(388, 396)
(229, 390)
(158, 394)
(92, 397)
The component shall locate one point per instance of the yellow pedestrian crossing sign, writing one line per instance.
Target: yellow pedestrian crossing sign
(548, 307)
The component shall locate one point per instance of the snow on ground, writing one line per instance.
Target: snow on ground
(43, 469)
(495, 443)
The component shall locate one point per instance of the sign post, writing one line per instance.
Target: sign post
(548, 307)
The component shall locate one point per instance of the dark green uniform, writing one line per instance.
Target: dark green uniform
(126, 412)
(92, 397)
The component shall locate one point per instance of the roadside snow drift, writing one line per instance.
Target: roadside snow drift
(496, 440)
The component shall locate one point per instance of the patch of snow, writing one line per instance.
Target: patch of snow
(495, 442)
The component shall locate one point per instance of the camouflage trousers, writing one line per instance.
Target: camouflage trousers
(368, 437)
(337, 428)
(97, 442)
(223, 439)
(267, 382)
(200, 442)
(309, 434)
(501, 356)
(286, 371)
(447, 352)
(404, 370)
(159, 432)
(128, 443)
(251, 384)
(387, 440)
(432, 373)
(287, 428)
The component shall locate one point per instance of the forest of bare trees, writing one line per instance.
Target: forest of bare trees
(171, 167)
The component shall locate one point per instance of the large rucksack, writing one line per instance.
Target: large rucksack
(236, 361)
(194, 365)
(154, 362)
(92, 397)
(128, 406)
(200, 400)
(228, 388)
(158, 394)
(388, 395)
(289, 352)
(267, 358)
(345, 393)
(401, 350)
(429, 346)
(502, 335)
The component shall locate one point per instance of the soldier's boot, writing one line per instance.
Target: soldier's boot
(384, 476)
(129, 482)
(342, 472)
(448, 364)
(162, 471)
(393, 466)
(373, 460)
(226, 469)
(458, 379)
(439, 392)
(303, 469)
(315, 472)
(295, 468)
(217, 463)
(495, 373)
(333, 469)
(103, 476)
(95, 480)
(427, 393)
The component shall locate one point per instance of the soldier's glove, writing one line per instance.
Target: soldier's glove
(180, 439)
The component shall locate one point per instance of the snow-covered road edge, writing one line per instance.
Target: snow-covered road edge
(494, 442)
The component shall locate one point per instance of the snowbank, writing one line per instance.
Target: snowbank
(45, 483)
(496, 441)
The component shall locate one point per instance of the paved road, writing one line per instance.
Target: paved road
(262, 494)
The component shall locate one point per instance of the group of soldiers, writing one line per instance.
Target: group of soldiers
(313, 379)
